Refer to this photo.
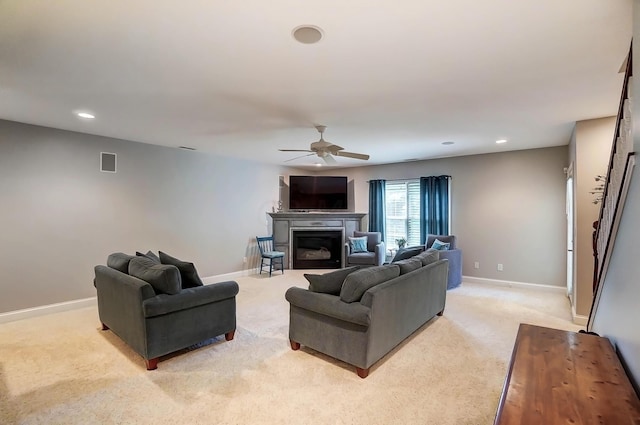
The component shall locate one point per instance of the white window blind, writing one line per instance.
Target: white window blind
(402, 218)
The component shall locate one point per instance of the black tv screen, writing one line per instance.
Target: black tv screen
(317, 193)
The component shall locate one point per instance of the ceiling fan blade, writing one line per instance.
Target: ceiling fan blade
(329, 159)
(298, 157)
(352, 155)
(334, 148)
(294, 150)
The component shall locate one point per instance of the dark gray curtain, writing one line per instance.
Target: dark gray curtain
(434, 206)
(376, 206)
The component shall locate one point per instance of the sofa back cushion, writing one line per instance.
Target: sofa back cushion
(164, 278)
(408, 265)
(150, 255)
(119, 261)
(429, 256)
(188, 272)
(404, 253)
(329, 283)
(358, 282)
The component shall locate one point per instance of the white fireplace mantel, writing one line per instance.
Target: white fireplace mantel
(283, 222)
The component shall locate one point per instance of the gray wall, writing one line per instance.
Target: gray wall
(507, 208)
(618, 313)
(591, 147)
(60, 215)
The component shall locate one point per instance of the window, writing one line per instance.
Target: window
(402, 208)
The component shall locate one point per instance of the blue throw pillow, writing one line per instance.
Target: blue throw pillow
(440, 246)
(358, 244)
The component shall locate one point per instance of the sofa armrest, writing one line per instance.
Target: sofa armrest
(328, 305)
(381, 254)
(189, 298)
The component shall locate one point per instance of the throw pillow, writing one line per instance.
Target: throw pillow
(188, 273)
(358, 282)
(408, 265)
(150, 255)
(429, 256)
(440, 246)
(404, 253)
(358, 244)
(165, 279)
(119, 261)
(328, 283)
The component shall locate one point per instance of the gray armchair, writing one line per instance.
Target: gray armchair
(453, 254)
(375, 254)
(157, 317)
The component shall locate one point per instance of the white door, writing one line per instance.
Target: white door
(570, 218)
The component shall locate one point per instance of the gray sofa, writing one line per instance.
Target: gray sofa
(144, 303)
(453, 254)
(358, 315)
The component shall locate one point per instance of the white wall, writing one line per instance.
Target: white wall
(507, 208)
(61, 216)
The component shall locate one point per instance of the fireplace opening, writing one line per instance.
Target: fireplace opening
(317, 249)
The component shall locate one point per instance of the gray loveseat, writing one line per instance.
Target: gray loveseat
(358, 315)
(145, 304)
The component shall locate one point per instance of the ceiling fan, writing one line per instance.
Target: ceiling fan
(325, 150)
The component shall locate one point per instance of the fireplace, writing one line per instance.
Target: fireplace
(316, 248)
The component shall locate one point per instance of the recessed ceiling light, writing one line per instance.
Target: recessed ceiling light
(318, 165)
(85, 115)
(307, 34)
(448, 143)
(501, 141)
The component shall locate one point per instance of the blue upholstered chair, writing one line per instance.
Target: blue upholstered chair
(453, 254)
(275, 258)
(375, 254)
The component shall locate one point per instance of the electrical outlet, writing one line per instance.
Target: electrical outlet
(500, 268)
(476, 265)
(244, 260)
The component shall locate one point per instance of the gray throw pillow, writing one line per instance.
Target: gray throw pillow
(150, 255)
(408, 265)
(119, 261)
(188, 272)
(329, 283)
(164, 278)
(358, 282)
(404, 253)
(429, 256)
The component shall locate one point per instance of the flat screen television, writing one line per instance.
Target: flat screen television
(317, 193)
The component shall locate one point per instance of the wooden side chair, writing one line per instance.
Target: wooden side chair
(265, 244)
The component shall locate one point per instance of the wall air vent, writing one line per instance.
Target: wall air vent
(108, 162)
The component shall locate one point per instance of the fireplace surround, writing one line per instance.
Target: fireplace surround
(286, 223)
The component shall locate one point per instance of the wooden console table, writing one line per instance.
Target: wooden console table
(560, 377)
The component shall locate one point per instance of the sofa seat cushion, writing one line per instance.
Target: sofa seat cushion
(328, 283)
(358, 282)
(164, 278)
(119, 261)
(408, 265)
(429, 256)
(362, 258)
(188, 272)
(189, 298)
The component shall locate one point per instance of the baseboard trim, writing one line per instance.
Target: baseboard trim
(12, 316)
(511, 284)
(578, 319)
(27, 313)
(227, 276)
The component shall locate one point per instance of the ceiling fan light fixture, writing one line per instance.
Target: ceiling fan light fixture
(307, 34)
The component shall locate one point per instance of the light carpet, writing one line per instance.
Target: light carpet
(62, 369)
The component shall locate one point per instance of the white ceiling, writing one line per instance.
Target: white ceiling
(393, 79)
